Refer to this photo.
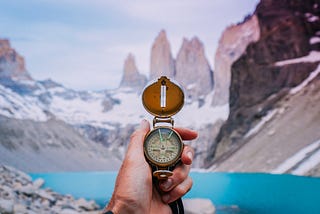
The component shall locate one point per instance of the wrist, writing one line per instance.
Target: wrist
(119, 206)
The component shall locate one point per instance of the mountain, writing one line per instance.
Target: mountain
(232, 45)
(258, 110)
(104, 118)
(273, 84)
(162, 62)
(193, 71)
(11, 63)
(131, 76)
(190, 69)
(50, 145)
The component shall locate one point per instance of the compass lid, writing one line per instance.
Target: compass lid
(163, 98)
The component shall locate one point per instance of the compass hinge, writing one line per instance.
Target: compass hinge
(163, 120)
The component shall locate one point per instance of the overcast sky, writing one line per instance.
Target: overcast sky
(83, 44)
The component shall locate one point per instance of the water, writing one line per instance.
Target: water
(239, 193)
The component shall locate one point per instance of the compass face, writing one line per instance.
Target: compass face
(163, 146)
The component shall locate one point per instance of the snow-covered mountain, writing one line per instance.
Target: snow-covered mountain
(107, 117)
(259, 113)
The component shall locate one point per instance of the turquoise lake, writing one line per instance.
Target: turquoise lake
(231, 193)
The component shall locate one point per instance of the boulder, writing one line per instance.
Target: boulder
(198, 206)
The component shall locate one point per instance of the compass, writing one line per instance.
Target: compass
(163, 146)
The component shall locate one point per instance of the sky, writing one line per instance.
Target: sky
(83, 44)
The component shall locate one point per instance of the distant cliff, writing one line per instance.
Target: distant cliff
(131, 76)
(11, 63)
(233, 43)
(161, 62)
(191, 68)
(258, 79)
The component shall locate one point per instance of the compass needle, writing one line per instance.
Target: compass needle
(160, 135)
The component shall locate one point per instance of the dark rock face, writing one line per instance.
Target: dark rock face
(131, 76)
(11, 63)
(257, 83)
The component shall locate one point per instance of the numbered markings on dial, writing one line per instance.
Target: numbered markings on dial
(163, 145)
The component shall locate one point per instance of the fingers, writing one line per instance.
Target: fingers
(179, 183)
(178, 191)
(187, 134)
(135, 148)
(187, 155)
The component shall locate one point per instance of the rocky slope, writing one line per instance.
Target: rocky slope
(19, 194)
(284, 56)
(51, 146)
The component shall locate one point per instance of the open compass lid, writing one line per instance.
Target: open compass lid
(163, 98)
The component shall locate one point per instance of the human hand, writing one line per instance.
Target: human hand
(134, 191)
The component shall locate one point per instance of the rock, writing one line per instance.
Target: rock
(198, 206)
(131, 76)
(27, 189)
(6, 192)
(6, 206)
(22, 196)
(45, 195)
(38, 183)
(69, 211)
(192, 69)
(231, 46)
(11, 63)
(258, 82)
(162, 62)
(19, 208)
(86, 205)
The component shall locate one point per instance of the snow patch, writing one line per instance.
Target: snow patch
(308, 164)
(314, 40)
(194, 116)
(14, 105)
(313, 56)
(311, 76)
(263, 121)
(311, 17)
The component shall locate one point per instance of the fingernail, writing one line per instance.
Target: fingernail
(166, 198)
(144, 124)
(166, 185)
(190, 155)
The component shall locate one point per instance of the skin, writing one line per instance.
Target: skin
(134, 191)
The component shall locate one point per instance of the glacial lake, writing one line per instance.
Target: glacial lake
(231, 193)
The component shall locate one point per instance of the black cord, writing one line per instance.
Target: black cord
(177, 207)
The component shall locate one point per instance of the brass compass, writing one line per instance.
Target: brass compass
(163, 145)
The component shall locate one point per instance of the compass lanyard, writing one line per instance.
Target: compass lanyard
(177, 207)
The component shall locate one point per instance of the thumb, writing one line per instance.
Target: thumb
(135, 148)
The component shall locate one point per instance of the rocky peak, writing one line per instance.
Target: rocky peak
(258, 82)
(11, 63)
(193, 70)
(131, 76)
(232, 45)
(162, 62)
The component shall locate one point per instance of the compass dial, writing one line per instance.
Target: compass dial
(163, 146)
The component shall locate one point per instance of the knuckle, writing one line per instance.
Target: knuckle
(185, 187)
